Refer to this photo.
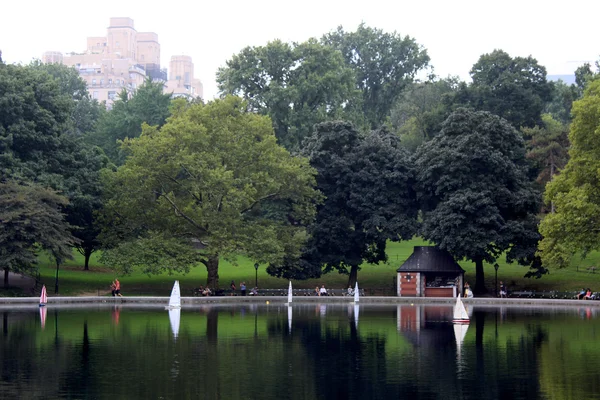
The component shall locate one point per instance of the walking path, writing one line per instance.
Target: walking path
(24, 282)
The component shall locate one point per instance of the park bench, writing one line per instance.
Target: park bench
(591, 269)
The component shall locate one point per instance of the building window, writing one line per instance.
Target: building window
(110, 81)
(112, 95)
(95, 95)
(101, 82)
(93, 82)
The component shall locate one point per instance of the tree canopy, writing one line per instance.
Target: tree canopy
(476, 199)
(575, 192)
(367, 182)
(297, 85)
(148, 104)
(209, 177)
(512, 88)
(384, 64)
(31, 220)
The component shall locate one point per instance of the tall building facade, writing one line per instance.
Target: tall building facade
(124, 59)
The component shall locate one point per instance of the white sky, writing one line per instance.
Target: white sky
(561, 36)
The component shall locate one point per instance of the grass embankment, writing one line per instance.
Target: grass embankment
(73, 280)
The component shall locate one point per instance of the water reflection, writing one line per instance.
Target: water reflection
(300, 351)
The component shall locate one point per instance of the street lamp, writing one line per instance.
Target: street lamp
(496, 266)
(256, 276)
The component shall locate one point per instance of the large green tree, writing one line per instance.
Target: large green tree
(477, 201)
(297, 85)
(367, 182)
(384, 65)
(575, 192)
(515, 89)
(209, 177)
(32, 220)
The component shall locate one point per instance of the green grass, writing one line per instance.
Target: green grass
(73, 280)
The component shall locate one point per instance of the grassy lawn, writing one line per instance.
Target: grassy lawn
(73, 280)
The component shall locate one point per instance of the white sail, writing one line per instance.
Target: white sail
(356, 295)
(175, 299)
(290, 318)
(460, 312)
(43, 296)
(174, 316)
(290, 293)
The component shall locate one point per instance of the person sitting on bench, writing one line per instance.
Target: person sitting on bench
(581, 294)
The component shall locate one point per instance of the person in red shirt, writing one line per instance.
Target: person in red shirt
(118, 288)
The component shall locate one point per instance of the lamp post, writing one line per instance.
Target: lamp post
(496, 266)
(256, 276)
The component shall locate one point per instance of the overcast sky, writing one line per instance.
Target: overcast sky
(455, 33)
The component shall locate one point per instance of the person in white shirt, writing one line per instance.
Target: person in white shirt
(322, 291)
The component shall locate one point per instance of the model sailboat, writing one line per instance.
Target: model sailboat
(43, 296)
(290, 293)
(460, 312)
(175, 299)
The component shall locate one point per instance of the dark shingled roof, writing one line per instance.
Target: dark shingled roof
(430, 259)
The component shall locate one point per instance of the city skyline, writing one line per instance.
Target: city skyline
(455, 33)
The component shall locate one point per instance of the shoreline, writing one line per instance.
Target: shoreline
(7, 302)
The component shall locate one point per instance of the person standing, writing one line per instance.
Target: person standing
(232, 286)
(118, 288)
(243, 288)
(113, 288)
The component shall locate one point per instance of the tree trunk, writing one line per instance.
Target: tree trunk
(87, 253)
(353, 276)
(212, 268)
(6, 276)
(56, 278)
(479, 278)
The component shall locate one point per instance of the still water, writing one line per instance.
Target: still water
(322, 351)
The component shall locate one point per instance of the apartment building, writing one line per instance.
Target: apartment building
(124, 59)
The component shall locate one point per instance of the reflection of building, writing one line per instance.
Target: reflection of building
(430, 272)
(123, 60)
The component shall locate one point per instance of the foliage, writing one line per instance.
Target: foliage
(85, 111)
(384, 65)
(367, 182)
(561, 101)
(33, 115)
(423, 107)
(31, 219)
(512, 88)
(475, 197)
(297, 85)
(575, 192)
(209, 176)
(547, 147)
(147, 105)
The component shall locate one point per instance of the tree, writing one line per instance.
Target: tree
(33, 117)
(31, 220)
(367, 182)
(423, 107)
(384, 65)
(512, 88)
(574, 192)
(297, 85)
(562, 98)
(476, 199)
(209, 176)
(547, 147)
(147, 105)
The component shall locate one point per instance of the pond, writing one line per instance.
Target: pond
(316, 351)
